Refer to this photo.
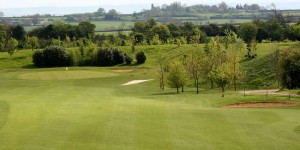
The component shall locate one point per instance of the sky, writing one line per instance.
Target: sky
(61, 7)
(4, 4)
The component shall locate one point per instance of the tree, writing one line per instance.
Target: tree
(195, 67)
(87, 29)
(100, 12)
(111, 15)
(163, 67)
(176, 76)
(215, 57)
(162, 31)
(18, 32)
(12, 44)
(221, 75)
(248, 33)
(290, 66)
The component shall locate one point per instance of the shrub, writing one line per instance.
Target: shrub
(140, 57)
(118, 57)
(37, 58)
(104, 57)
(52, 56)
(56, 56)
(128, 59)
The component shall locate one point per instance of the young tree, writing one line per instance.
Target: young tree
(163, 67)
(176, 76)
(215, 57)
(196, 67)
(33, 41)
(12, 44)
(222, 75)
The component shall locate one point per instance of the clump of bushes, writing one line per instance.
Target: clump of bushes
(140, 57)
(110, 57)
(52, 56)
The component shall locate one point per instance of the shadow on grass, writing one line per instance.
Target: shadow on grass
(166, 93)
(30, 66)
(19, 58)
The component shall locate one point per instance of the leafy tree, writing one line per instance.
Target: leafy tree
(111, 15)
(12, 44)
(176, 76)
(248, 33)
(290, 66)
(140, 57)
(155, 40)
(31, 41)
(163, 67)
(162, 31)
(221, 75)
(18, 32)
(87, 29)
(195, 67)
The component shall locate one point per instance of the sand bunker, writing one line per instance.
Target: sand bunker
(65, 75)
(122, 70)
(260, 105)
(136, 82)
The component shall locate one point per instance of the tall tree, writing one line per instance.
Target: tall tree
(176, 76)
(248, 33)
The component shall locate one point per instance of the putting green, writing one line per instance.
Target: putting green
(65, 75)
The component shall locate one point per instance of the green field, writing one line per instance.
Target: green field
(89, 108)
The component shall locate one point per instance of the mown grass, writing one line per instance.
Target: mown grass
(100, 113)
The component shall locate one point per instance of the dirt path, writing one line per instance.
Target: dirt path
(271, 91)
(260, 105)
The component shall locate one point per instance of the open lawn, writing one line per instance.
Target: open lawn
(48, 108)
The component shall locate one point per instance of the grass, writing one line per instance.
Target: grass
(100, 113)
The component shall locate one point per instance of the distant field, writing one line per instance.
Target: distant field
(89, 108)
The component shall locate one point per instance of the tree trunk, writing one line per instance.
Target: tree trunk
(162, 81)
(197, 85)
(223, 90)
(211, 83)
(182, 89)
(177, 90)
(234, 82)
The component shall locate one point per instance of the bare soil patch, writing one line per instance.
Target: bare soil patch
(122, 70)
(260, 105)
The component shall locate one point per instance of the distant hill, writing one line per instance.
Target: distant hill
(58, 11)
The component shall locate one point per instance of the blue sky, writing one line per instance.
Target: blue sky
(71, 3)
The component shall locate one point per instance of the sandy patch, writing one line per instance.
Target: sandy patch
(260, 105)
(122, 70)
(136, 82)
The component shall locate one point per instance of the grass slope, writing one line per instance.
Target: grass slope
(100, 113)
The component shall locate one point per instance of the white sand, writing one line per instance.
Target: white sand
(136, 82)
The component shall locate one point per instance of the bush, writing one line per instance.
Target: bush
(104, 57)
(56, 56)
(118, 57)
(140, 57)
(37, 58)
(52, 56)
(128, 59)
